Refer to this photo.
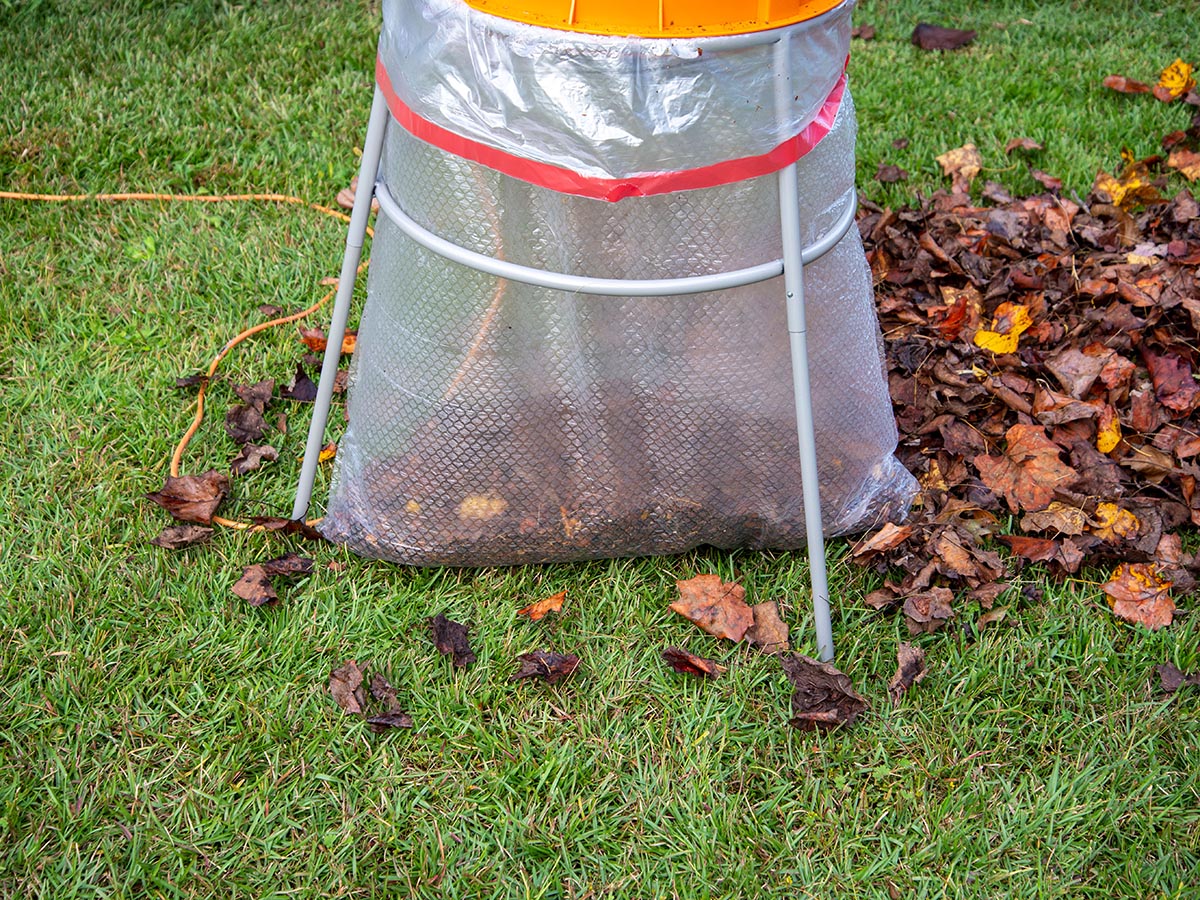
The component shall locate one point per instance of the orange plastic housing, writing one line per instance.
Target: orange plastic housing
(657, 18)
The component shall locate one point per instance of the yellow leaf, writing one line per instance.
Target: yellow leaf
(962, 165)
(1010, 322)
(1115, 524)
(328, 452)
(477, 506)
(1177, 78)
(1109, 434)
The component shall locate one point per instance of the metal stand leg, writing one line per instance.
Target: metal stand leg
(367, 172)
(793, 277)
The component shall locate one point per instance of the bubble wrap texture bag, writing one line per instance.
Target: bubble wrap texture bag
(493, 422)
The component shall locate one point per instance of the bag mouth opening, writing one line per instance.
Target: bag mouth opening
(663, 19)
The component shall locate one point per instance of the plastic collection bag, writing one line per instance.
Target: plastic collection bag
(494, 422)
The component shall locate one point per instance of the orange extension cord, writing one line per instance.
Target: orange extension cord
(177, 456)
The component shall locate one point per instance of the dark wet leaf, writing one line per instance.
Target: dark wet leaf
(287, 526)
(302, 388)
(682, 661)
(863, 32)
(186, 382)
(255, 586)
(290, 564)
(346, 686)
(450, 638)
(256, 395)
(934, 37)
(245, 424)
(910, 669)
(251, 457)
(547, 665)
(385, 722)
(176, 537)
(822, 697)
(193, 498)
(1172, 679)
(890, 174)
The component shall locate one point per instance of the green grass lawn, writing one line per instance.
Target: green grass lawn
(161, 738)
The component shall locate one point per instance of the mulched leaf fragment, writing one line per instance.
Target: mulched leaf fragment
(193, 498)
(935, 37)
(383, 692)
(450, 638)
(910, 669)
(690, 664)
(551, 667)
(176, 537)
(823, 697)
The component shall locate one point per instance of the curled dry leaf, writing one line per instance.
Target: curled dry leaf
(196, 380)
(1123, 85)
(690, 664)
(450, 638)
(286, 526)
(823, 697)
(935, 37)
(1029, 472)
(886, 538)
(546, 664)
(345, 684)
(176, 537)
(928, 611)
(1025, 144)
(910, 669)
(540, 608)
(385, 722)
(251, 457)
(193, 498)
(992, 617)
(769, 632)
(1138, 593)
(716, 606)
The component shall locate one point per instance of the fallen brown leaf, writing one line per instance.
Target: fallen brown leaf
(769, 632)
(823, 697)
(1172, 679)
(962, 165)
(935, 37)
(193, 498)
(176, 537)
(245, 424)
(387, 721)
(890, 174)
(345, 684)
(928, 611)
(682, 661)
(1138, 593)
(546, 664)
(1022, 143)
(450, 638)
(256, 586)
(910, 669)
(302, 389)
(251, 457)
(716, 606)
(315, 340)
(1029, 472)
(540, 608)
(1123, 85)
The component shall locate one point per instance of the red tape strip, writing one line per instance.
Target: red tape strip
(566, 181)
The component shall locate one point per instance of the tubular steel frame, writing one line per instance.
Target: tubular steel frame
(791, 266)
